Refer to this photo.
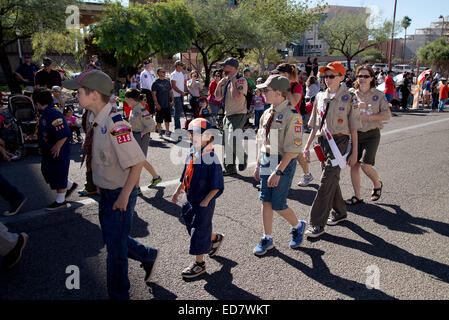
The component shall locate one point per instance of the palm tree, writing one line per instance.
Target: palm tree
(405, 23)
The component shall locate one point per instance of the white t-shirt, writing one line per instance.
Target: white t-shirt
(179, 78)
(147, 79)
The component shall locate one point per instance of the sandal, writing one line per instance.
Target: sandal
(354, 200)
(377, 192)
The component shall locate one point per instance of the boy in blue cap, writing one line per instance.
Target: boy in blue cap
(202, 180)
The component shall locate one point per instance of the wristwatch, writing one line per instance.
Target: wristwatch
(279, 173)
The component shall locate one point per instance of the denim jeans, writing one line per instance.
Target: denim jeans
(115, 226)
(9, 192)
(441, 105)
(179, 110)
(257, 115)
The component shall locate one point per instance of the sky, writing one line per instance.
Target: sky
(422, 12)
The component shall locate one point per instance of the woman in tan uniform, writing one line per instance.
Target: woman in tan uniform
(373, 110)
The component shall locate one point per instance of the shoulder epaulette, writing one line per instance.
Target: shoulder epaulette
(117, 118)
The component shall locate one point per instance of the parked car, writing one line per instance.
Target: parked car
(382, 66)
(401, 68)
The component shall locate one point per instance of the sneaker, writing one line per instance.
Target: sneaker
(14, 210)
(139, 192)
(155, 182)
(258, 186)
(149, 267)
(216, 244)
(168, 134)
(298, 235)
(194, 270)
(333, 220)
(306, 179)
(161, 135)
(70, 191)
(263, 246)
(314, 231)
(84, 192)
(13, 257)
(55, 206)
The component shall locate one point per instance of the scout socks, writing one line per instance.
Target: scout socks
(69, 184)
(60, 197)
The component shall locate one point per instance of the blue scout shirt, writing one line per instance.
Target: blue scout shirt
(52, 128)
(207, 175)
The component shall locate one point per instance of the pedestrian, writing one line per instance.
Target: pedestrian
(54, 135)
(443, 94)
(390, 86)
(58, 100)
(46, 77)
(141, 126)
(147, 78)
(163, 97)
(194, 86)
(435, 94)
(373, 109)
(276, 160)
(96, 63)
(202, 181)
(231, 91)
(251, 87)
(295, 96)
(336, 119)
(315, 67)
(427, 92)
(214, 103)
(205, 111)
(26, 72)
(312, 89)
(116, 160)
(259, 107)
(73, 124)
(437, 76)
(309, 67)
(179, 87)
(405, 90)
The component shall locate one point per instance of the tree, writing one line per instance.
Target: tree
(405, 23)
(26, 18)
(436, 54)
(137, 32)
(348, 34)
(373, 55)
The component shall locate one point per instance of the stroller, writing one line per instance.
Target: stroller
(24, 115)
(189, 113)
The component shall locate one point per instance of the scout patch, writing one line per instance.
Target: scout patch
(122, 133)
(102, 156)
(341, 108)
(340, 121)
(279, 118)
(298, 142)
(104, 130)
(345, 98)
(375, 98)
(146, 114)
(58, 124)
(297, 120)
(298, 129)
(117, 118)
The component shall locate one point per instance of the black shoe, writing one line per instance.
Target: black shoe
(314, 231)
(13, 257)
(149, 267)
(216, 244)
(194, 270)
(70, 191)
(14, 210)
(333, 220)
(228, 173)
(56, 206)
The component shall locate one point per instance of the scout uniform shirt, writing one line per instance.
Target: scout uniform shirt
(114, 149)
(343, 115)
(375, 104)
(234, 105)
(138, 118)
(287, 123)
(52, 128)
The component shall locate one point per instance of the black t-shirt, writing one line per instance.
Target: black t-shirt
(162, 89)
(48, 79)
(27, 72)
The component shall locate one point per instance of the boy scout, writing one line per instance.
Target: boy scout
(335, 117)
(231, 91)
(116, 160)
(280, 140)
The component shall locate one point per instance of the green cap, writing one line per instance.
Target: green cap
(92, 79)
(276, 82)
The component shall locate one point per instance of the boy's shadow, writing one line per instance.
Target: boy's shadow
(166, 206)
(160, 293)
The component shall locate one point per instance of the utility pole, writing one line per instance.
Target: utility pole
(392, 36)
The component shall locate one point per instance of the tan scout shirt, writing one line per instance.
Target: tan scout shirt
(235, 105)
(114, 149)
(135, 118)
(375, 104)
(286, 125)
(343, 115)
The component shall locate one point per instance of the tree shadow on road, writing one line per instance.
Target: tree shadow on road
(400, 220)
(321, 273)
(164, 205)
(378, 247)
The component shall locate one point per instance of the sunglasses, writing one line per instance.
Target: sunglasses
(329, 76)
(265, 90)
(364, 76)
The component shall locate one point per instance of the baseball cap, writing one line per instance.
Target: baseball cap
(246, 70)
(92, 79)
(179, 63)
(335, 66)
(276, 82)
(47, 62)
(199, 125)
(233, 62)
(27, 55)
(202, 99)
(56, 88)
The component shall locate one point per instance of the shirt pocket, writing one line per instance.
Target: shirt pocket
(103, 157)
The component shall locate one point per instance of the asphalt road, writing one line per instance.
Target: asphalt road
(402, 238)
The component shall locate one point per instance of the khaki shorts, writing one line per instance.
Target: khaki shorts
(368, 144)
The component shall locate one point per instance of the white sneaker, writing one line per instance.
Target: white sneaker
(306, 179)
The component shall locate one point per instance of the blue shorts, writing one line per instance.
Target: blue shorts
(277, 196)
(389, 97)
